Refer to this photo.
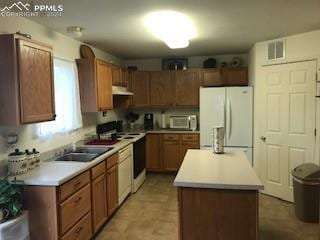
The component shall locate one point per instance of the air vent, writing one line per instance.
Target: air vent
(276, 50)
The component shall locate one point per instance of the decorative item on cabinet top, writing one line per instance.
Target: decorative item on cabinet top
(174, 64)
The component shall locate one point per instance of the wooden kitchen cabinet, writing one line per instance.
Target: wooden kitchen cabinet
(170, 153)
(27, 85)
(112, 183)
(235, 76)
(162, 88)
(140, 88)
(153, 152)
(124, 78)
(99, 195)
(95, 81)
(166, 151)
(116, 75)
(187, 88)
(211, 77)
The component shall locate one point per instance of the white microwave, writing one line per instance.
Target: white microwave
(186, 122)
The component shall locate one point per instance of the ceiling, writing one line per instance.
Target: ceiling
(228, 26)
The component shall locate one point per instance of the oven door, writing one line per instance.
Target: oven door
(139, 156)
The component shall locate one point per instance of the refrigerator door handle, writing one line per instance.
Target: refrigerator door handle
(228, 122)
(230, 118)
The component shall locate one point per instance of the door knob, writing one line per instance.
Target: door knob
(263, 138)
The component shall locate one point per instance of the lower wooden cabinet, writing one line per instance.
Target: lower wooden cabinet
(112, 189)
(81, 231)
(165, 152)
(99, 193)
(171, 154)
(153, 152)
(77, 209)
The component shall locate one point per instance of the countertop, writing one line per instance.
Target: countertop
(204, 169)
(160, 130)
(55, 173)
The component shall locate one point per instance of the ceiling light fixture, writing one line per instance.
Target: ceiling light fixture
(174, 28)
(75, 31)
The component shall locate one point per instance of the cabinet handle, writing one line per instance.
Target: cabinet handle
(77, 200)
(77, 184)
(79, 229)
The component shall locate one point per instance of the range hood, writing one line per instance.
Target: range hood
(116, 90)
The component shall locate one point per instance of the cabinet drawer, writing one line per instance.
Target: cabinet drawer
(72, 209)
(112, 161)
(73, 185)
(190, 137)
(170, 137)
(98, 170)
(81, 231)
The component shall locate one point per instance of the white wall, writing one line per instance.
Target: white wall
(304, 46)
(63, 47)
(155, 64)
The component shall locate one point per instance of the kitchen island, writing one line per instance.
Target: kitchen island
(218, 196)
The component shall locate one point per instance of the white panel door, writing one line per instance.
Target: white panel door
(212, 113)
(239, 116)
(287, 106)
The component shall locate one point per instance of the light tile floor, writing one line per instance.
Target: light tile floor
(151, 214)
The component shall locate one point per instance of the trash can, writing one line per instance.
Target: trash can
(306, 188)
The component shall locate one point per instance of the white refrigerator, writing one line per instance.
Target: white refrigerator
(231, 108)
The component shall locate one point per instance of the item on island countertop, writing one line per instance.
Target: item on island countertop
(30, 159)
(163, 120)
(36, 157)
(17, 163)
(218, 139)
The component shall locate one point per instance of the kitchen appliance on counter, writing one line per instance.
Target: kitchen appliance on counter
(148, 121)
(185, 122)
(125, 172)
(230, 107)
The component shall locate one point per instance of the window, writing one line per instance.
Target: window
(67, 100)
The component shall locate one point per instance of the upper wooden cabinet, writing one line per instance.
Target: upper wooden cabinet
(140, 88)
(224, 77)
(124, 78)
(162, 88)
(95, 80)
(26, 79)
(235, 76)
(187, 88)
(116, 75)
(211, 78)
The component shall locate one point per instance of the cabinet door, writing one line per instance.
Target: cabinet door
(171, 155)
(112, 189)
(187, 88)
(104, 85)
(211, 78)
(185, 146)
(35, 63)
(99, 205)
(124, 78)
(236, 76)
(153, 152)
(162, 91)
(140, 88)
(116, 75)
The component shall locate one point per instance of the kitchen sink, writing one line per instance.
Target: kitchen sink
(83, 154)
